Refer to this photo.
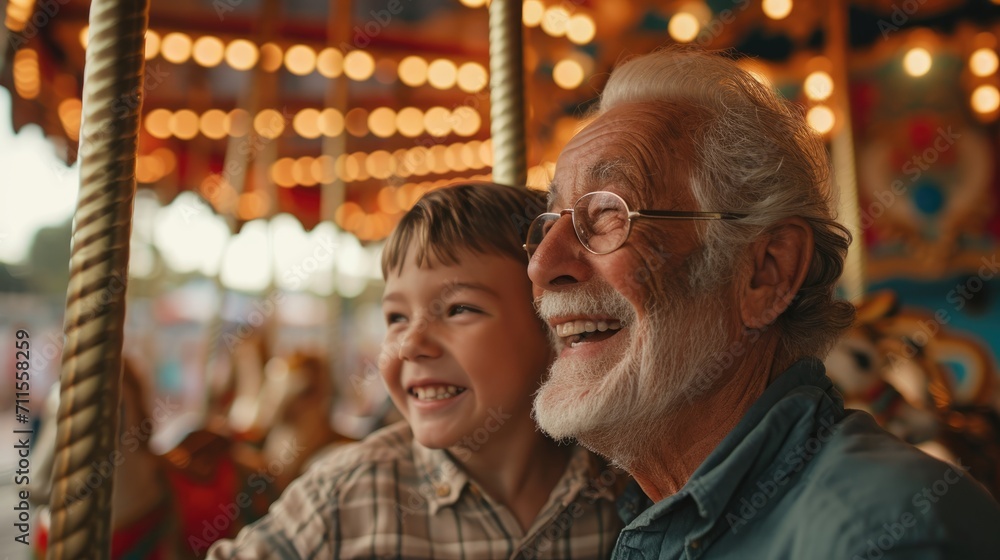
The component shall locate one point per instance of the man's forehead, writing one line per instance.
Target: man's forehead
(610, 172)
(623, 149)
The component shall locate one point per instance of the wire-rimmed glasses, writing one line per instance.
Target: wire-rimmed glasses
(602, 221)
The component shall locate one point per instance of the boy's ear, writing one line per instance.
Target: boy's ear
(780, 263)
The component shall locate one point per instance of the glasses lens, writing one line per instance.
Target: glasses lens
(601, 221)
(537, 231)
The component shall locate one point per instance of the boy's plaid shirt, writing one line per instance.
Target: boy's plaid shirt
(390, 497)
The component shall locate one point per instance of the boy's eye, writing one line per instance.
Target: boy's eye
(460, 309)
(393, 318)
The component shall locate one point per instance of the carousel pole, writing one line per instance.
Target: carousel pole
(240, 154)
(507, 93)
(87, 425)
(842, 152)
(338, 31)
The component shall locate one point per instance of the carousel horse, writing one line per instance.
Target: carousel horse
(143, 513)
(174, 505)
(899, 366)
(297, 404)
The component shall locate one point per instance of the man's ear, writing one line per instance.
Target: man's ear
(780, 263)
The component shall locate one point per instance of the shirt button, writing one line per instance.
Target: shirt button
(443, 490)
(695, 544)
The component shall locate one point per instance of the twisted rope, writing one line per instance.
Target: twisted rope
(507, 93)
(87, 425)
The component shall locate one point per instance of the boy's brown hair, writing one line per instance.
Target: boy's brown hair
(479, 217)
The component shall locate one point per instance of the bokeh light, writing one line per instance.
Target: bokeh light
(985, 99)
(818, 86)
(683, 27)
(208, 51)
(821, 119)
(777, 9)
(568, 74)
(241, 54)
(917, 62)
(176, 48)
(983, 62)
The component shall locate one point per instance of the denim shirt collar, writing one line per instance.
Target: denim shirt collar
(779, 420)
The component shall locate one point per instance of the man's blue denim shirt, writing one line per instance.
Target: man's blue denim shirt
(800, 477)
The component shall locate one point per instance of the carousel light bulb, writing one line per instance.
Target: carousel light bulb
(472, 77)
(436, 121)
(270, 57)
(413, 71)
(18, 14)
(917, 62)
(241, 54)
(237, 122)
(176, 48)
(555, 21)
(410, 122)
(442, 73)
(300, 60)
(302, 171)
(306, 123)
(568, 74)
(184, 124)
(213, 124)
(331, 122)
(581, 29)
(683, 27)
(821, 119)
(269, 124)
(385, 71)
(281, 172)
(466, 121)
(359, 65)
(69, 111)
(356, 122)
(777, 9)
(532, 13)
(382, 122)
(157, 123)
(983, 62)
(323, 169)
(379, 164)
(818, 85)
(208, 51)
(167, 157)
(330, 62)
(85, 36)
(985, 99)
(153, 42)
(27, 78)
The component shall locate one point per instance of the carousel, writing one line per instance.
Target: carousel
(237, 164)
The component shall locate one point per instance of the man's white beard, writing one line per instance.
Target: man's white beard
(618, 404)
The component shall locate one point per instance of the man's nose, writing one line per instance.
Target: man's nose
(559, 260)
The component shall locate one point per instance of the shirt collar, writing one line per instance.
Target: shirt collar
(800, 398)
(442, 478)
(785, 415)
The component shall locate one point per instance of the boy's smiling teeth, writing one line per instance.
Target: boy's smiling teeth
(586, 326)
(436, 392)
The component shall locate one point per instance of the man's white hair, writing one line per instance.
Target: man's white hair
(753, 154)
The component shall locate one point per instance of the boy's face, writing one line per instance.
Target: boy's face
(464, 349)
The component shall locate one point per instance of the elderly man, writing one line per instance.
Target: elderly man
(687, 272)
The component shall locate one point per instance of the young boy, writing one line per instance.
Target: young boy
(467, 475)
